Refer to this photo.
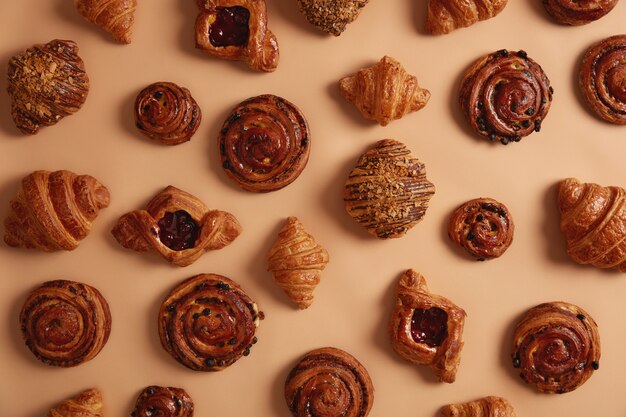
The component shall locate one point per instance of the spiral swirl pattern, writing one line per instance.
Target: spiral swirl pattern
(556, 346)
(167, 113)
(602, 79)
(329, 382)
(65, 323)
(208, 322)
(483, 227)
(577, 12)
(163, 402)
(264, 143)
(505, 96)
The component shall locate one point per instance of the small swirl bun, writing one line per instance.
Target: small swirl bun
(556, 347)
(167, 113)
(483, 227)
(329, 382)
(576, 12)
(163, 402)
(505, 96)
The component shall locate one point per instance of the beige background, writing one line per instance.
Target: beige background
(353, 302)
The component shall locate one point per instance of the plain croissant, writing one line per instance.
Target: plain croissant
(54, 210)
(446, 15)
(485, 407)
(297, 261)
(114, 16)
(86, 404)
(593, 222)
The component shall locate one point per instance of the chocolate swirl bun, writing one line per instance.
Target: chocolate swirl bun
(483, 227)
(505, 96)
(577, 12)
(167, 113)
(329, 382)
(264, 143)
(556, 346)
(65, 323)
(208, 322)
(163, 402)
(602, 79)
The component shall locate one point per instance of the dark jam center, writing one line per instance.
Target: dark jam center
(429, 326)
(230, 27)
(178, 230)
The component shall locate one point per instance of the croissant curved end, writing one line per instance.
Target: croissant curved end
(569, 191)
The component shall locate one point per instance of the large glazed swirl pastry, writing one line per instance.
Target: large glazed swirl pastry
(86, 404)
(577, 12)
(65, 323)
(505, 96)
(208, 322)
(167, 113)
(264, 143)
(602, 79)
(483, 227)
(329, 382)
(163, 402)
(444, 16)
(114, 16)
(485, 407)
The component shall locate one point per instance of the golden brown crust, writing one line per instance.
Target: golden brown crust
(329, 382)
(576, 12)
(441, 346)
(297, 261)
(46, 83)
(140, 230)
(259, 52)
(387, 191)
(114, 16)
(485, 407)
(444, 16)
(264, 143)
(593, 222)
(207, 322)
(54, 210)
(602, 79)
(65, 323)
(483, 227)
(86, 404)
(163, 402)
(556, 347)
(384, 91)
(331, 16)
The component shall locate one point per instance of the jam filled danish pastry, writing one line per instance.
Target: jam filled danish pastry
(329, 382)
(331, 16)
(163, 402)
(86, 404)
(114, 16)
(505, 96)
(556, 347)
(485, 407)
(65, 323)
(208, 322)
(237, 30)
(426, 329)
(177, 226)
(576, 12)
(444, 16)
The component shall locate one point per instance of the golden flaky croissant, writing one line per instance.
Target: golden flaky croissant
(446, 15)
(114, 16)
(384, 91)
(54, 210)
(86, 404)
(485, 407)
(297, 261)
(593, 222)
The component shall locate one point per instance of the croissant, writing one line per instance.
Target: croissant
(593, 222)
(86, 404)
(446, 15)
(331, 16)
(54, 210)
(485, 407)
(114, 16)
(177, 226)
(384, 92)
(297, 261)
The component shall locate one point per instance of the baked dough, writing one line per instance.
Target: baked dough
(576, 12)
(485, 407)
(331, 16)
(163, 402)
(114, 16)
(86, 404)
(444, 16)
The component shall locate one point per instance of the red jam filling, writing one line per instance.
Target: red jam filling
(178, 231)
(429, 326)
(230, 27)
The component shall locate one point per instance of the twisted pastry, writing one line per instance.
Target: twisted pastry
(54, 210)
(329, 382)
(114, 16)
(237, 30)
(602, 79)
(485, 407)
(167, 113)
(444, 16)
(297, 261)
(426, 329)
(593, 222)
(483, 227)
(384, 92)
(576, 12)
(208, 322)
(46, 83)
(387, 191)
(264, 143)
(86, 404)
(331, 16)
(556, 347)
(163, 402)
(177, 226)
(65, 323)
(505, 96)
